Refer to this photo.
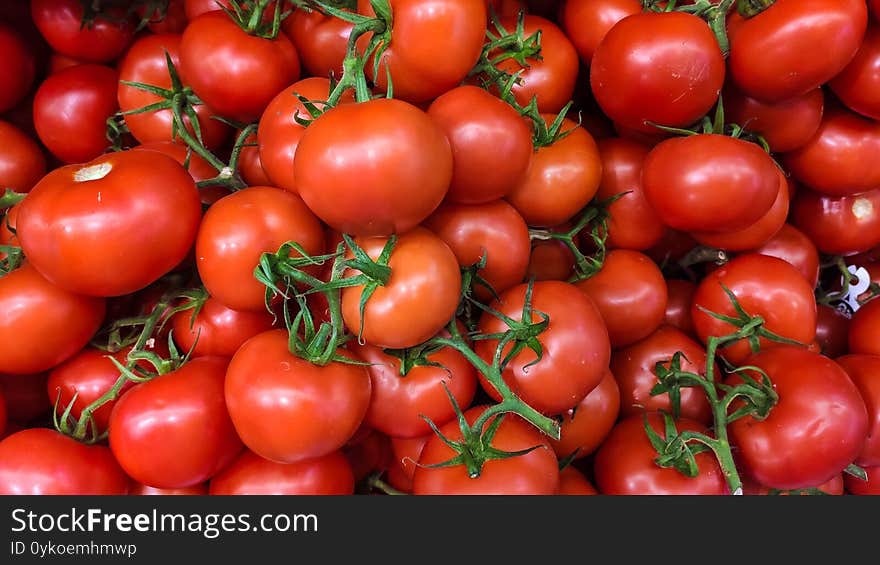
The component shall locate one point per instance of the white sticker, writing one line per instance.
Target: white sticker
(850, 300)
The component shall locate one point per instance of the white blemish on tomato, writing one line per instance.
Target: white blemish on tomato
(862, 208)
(92, 172)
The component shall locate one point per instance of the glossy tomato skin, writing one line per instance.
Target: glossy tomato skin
(550, 260)
(561, 178)
(793, 246)
(535, 473)
(250, 474)
(624, 465)
(111, 226)
(864, 371)
(491, 144)
(816, 429)
(785, 125)
(71, 108)
(60, 23)
(42, 324)
(857, 85)
(174, 431)
(587, 21)
(373, 168)
(680, 294)
(419, 299)
(864, 329)
(838, 225)
(195, 8)
(664, 68)
(199, 169)
(573, 482)
(17, 69)
(321, 41)
(216, 329)
(585, 427)
(217, 57)
(764, 286)
(832, 331)
(39, 461)
(142, 490)
(633, 367)
(405, 454)
(709, 183)
(794, 46)
(22, 162)
(859, 487)
(833, 487)
(575, 345)
(286, 409)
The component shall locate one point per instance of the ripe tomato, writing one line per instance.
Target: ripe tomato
(170, 18)
(794, 247)
(585, 427)
(404, 455)
(575, 346)
(859, 487)
(71, 108)
(249, 164)
(238, 229)
(111, 226)
(217, 57)
(368, 452)
(320, 40)
(216, 329)
(785, 125)
(816, 429)
(764, 286)
(195, 8)
(633, 367)
(26, 398)
(630, 292)
(374, 168)
(856, 86)
(832, 331)
(586, 22)
(573, 482)
(794, 46)
(60, 23)
(624, 465)
(664, 68)
(536, 472)
(22, 162)
(838, 225)
(418, 300)
(42, 324)
(40, 461)
(709, 183)
(286, 409)
(833, 487)
(17, 68)
(143, 490)
(491, 144)
(679, 294)
(864, 329)
(550, 260)
(199, 169)
(561, 178)
(864, 371)
(250, 474)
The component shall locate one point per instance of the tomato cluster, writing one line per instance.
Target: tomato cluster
(445, 247)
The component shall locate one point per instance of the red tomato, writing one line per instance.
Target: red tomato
(833, 487)
(859, 487)
(680, 294)
(368, 452)
(286, 409)
(561, 178)
(587, 21)
(249, 164)
(864, 371)
(17, 68)
(59, 62)
(794, 46)
(832, 331)
(586, 426)
(857, 85)
(785, 125)
(60, 23)
(71, 109)
(170, 18)
(143, 490)
(217, 57)
(22, 162)
(111, 226)
(631, 294)
(709, 183)
(195, 8)
(664, 68)
(174, 431)
(573, 482)
(794, 247)
(491, 144)
(838, 225)
(39, 461)
(575, 346)
(864, 329)
(764, 286)
(816, 429)
(550, 260)
(624, 465)
(405, 454)
(26, 398)
(419, 298)
(320, 40)
(250, 474)
(216, 329)
(536, 472)
(199, 169)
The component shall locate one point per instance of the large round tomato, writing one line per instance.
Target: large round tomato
(111, 226)
(587, 21)
(832, 331)
(573, 482)
(250, 474)
(838, 225)
(321, 41)
(864, 329)
(680, 294)
(858, 85)
(216, 329)
(785, 125)
(817, 428)
(585, 427)
(373, 168)
(792, 246)
(22, 162)
(60, 23)
(17, 68)
(864, 370)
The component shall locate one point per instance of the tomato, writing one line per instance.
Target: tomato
(321, 41)
(400, 402)
(573, 482)
(195, 8)
(864, 371)
(664, 68)
(585, 427)
(174, 431)
(561, 178)
(60, 23)
(837, 161)
(368, 452)
(250, 474)
(794, 46)
(170, 20)
(793, 246)
(145, 63)
(786, 125)
(624, 465)
(249, 164)
(71, 108)
(491, 144)
(143, 490)
(630, 292)
(22, 162)
(575, 346)
(586, 22)
(838, 225)
(764, 286)
(199, 169)
(419, 32)
(26, 398)
(857, 486)
(679, 294)
(833, 486)
(817, 428)
(832, 331)
(550, 259)
(550, 78)
(709, 183)
(42, 324)
(419, 298)
(494, 229)
(534, 473)
(864, 329)
(633, 223)
(17, 68)
(286, 409)
(216, 329)
(405, 453)
(111, 226)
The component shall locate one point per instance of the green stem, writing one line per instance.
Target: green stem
(751, 8)
(11, 198)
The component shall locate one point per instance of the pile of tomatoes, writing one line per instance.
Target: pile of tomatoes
(440, 247)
